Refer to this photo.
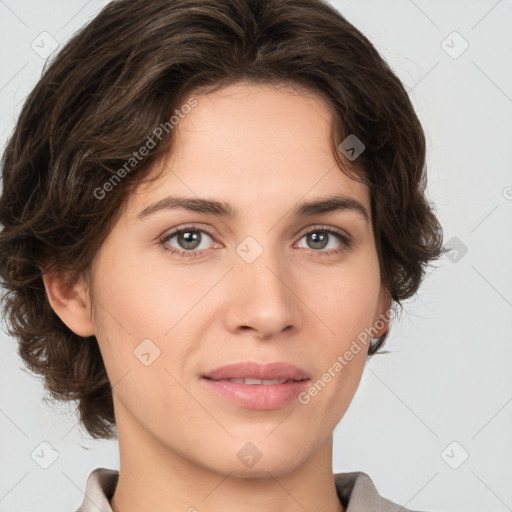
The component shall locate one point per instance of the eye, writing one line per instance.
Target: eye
(320, 238)
(191, 242)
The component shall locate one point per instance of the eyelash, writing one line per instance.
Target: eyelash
(346, 241)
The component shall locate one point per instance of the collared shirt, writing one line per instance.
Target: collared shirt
(356, 492)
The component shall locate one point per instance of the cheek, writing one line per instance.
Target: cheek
(143, 313)
(346, 310)
(349, 300)
(142, 296)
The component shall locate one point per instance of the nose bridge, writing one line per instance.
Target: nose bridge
(263, 297)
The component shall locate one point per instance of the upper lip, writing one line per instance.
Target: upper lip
(253, 370)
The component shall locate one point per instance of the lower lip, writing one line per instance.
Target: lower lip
(257, 396)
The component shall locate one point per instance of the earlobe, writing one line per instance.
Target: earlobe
(70, 302)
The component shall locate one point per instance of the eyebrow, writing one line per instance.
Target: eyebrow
(212, 207)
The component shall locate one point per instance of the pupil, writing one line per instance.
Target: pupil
(320, 240)
(188, 238)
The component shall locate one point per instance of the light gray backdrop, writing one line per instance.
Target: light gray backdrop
(431, 423)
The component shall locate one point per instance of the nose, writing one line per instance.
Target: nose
(263, 301)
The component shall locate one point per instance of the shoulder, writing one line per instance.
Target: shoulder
(99, 489)
(357, 492)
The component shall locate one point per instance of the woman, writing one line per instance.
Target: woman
(210, 210)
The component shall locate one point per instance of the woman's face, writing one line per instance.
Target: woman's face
(251, 287)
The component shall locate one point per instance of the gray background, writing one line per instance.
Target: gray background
(444, 393)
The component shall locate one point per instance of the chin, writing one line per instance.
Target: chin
(256, 459)
(262, 469)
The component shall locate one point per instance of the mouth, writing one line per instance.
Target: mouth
(252, 373)
(257, 386)
(260, 382)
(257, 394)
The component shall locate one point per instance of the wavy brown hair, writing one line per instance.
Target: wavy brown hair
(124, 74)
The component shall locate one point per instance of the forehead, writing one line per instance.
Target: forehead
(252, 145)
(274, 105)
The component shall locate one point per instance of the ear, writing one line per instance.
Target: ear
(384, 312)
(70, 302)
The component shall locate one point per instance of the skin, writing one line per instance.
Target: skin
(263, 150)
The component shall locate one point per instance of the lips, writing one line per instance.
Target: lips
(256, 373)
(254, 382)
(257, 386)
